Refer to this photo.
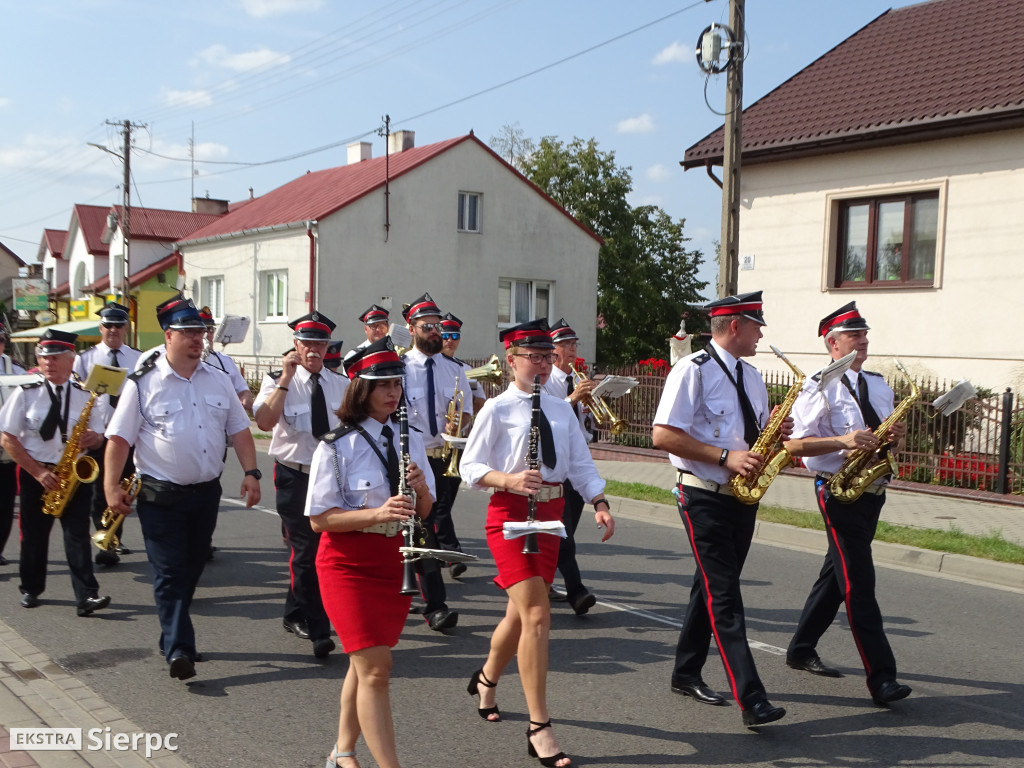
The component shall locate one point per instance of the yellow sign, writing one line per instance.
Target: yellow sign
(80, 309)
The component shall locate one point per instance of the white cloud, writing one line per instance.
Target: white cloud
(658, 173)
(4, 102)
(174, 98)
(219, 56)
(262, 8)
(673, 54)
(640, 124)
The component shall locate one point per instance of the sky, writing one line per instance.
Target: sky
(273, 88)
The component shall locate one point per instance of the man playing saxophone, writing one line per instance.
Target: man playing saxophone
(830, 422)
(37, 421)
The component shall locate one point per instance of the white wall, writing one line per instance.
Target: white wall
(144, 253)
(951, 330)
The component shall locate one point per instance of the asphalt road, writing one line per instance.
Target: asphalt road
(261, 697)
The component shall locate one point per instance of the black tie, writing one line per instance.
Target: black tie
(388, 434)
(547, 443)
(569, 389)
(870, 417)
(114, 362)
(431, 413)
(49, 427)
(750, 428)
(319, 404)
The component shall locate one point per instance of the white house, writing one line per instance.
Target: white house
(452, 219)
(890, 172)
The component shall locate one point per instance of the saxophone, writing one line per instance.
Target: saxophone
(751, 489)
(863, 467)
(74, 466)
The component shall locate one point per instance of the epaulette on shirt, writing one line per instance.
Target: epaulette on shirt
(700, 359)
(873, 373)
(337, 433)
(457, 360)
(275, 375)
(147, 366)
(32, 384)
(77, 385)
(449, 357)
(816, 377)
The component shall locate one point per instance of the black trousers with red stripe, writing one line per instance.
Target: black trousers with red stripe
(720, 530)
(847, 576)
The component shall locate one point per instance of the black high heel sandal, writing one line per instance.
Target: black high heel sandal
(547, 762)
(478, 679)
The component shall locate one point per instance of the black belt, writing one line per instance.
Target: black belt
(165, 486)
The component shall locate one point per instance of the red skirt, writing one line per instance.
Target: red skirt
(513, 565)
(361, 583)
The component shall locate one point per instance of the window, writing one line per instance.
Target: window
(274, 290)
(885, 241)
(469, 212)
(522, 300)
(212, 294)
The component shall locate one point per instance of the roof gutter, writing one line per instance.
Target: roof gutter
(243, 233)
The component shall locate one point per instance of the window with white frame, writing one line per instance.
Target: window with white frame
(274, 294)
(212, 294)
(522, 300)
(469, 211)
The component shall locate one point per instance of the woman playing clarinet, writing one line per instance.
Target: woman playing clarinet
(496, 456)
(354, 501)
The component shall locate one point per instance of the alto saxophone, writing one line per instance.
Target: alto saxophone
(863, 467)
(74, 466)
(107, 539)
(751, 489)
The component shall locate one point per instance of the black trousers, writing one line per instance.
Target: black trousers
(847, 575)
(8, 490)
(441, 512)
(432, 588)
(720, 530)
(303, 601)
(177, 526)
(35, 539)
(567, 548)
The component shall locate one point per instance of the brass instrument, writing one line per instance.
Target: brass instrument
(533, 462)
(751, 489)
(603, 414)
(863, 467)
(107, 539)
(74, 466)
(454, 429)
(489, 371)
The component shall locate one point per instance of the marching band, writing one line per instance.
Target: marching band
(346, 465)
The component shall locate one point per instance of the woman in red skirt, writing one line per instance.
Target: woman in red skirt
(354, 502)
(495, 457)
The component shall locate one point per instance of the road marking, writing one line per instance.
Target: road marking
(240, 503)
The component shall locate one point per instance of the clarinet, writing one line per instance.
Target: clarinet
(408, 526)
(533, 462)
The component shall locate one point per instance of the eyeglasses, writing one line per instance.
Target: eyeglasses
(196, 331)
(539, 357)
(108, 326)
(429, 327)
(451, 335)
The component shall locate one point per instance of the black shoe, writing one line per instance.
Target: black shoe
(322, 647)
(123, 551)
(457, 570)
(90, 604)
(28, 600)
(107, 558)
(478, 679)
(886, 693)
(442, 619)
(182, 667)
(547, 762)
(297, 628)
(582, 603)
(698, 691)
(762, 713)
(556, 597)
(3, 560)
(814, 665)
(209, 555)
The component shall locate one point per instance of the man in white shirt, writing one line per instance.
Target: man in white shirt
(375, 326)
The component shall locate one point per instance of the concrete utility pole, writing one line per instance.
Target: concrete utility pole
(729, 259)
(126, 229)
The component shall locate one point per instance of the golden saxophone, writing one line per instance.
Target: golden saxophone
(107, 539)
(751, 489)
(74, 466)
(454, 417)
(862, 467)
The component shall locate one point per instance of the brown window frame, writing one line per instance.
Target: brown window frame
(873, 202)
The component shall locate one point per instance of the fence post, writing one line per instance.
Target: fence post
(1003, 486)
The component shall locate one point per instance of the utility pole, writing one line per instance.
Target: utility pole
(728, 258)
(126, 228)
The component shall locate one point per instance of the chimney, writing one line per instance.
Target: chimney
(359, 151)
(209, 205)
(399, 141)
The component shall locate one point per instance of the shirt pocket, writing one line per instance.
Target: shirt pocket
(297, 415)
(168, 418)
(417, 399)
(843, 417)
(35, 415)
(366, 488)
(720, 406)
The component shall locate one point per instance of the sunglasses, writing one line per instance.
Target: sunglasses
(451, 335)
(428, 327)
(108, 326)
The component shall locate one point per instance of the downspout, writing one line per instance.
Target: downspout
(312, 264)
(711, 174)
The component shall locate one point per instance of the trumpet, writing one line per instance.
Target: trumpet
(489, 371)
(107, 539)
(454, 417)
(603, 414)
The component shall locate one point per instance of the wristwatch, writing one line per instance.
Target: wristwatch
(254, 473)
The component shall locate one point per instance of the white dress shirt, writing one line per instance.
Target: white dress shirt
(703, 402)
(126, 358)
(446, 373)
(501, 436)
(27, 407)
(557, 385)
(177, 425)
(222, 362)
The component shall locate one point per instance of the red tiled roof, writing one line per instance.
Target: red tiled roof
(945, 67)
(164, 225)
(92, 220)
(55, 239)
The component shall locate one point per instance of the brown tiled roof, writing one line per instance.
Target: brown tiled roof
(163, 225)
(92, 220)
(945, 67)
(55, 239)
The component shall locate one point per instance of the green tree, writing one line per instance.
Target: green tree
(646, 278)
